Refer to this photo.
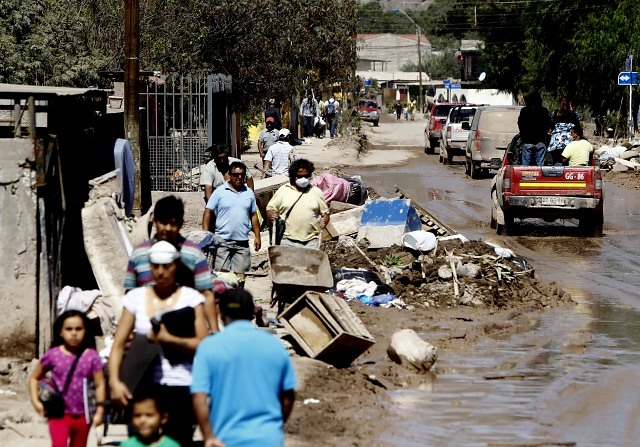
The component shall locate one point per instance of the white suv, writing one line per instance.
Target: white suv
(453, 138)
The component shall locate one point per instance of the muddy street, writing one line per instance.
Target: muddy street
(572, 379)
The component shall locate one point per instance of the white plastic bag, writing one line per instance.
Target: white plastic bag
(419, 240)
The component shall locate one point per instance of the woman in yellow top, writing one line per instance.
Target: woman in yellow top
(579, 151)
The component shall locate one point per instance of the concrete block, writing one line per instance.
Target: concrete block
(627, 163)
(385, 221)
(627, 155)
(269, 183)
(346, 222)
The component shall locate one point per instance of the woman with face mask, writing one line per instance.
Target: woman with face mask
(302, 207)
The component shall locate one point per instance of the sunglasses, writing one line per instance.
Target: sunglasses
(236, 174)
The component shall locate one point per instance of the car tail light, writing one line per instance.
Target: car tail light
(597, 183)
(478, 145)
(506, 179)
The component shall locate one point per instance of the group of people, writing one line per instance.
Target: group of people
(170, 364)
(231, 210)
(319, 115)
(407, 111)
(562, 129)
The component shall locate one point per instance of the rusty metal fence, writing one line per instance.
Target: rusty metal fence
(178, 127)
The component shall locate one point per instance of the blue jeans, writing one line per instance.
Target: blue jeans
(308, 125)
(539, 149)
(332, 122)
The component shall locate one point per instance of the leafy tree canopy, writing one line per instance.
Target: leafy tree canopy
(560, 48)
(270, 48)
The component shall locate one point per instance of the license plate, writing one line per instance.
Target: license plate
(553, 201)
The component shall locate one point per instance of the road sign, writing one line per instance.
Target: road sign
(446, 81)
(628, 78)
(453, 86)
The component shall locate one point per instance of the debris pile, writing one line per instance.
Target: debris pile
(619, 158)
(455, 273)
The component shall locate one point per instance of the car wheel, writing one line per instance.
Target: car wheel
(444, 154)
(493, 224)
(467, 167)
(375, 123)
(591, 223)
(474, 172)
(508, 225)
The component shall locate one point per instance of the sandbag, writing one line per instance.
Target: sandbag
(408, 349)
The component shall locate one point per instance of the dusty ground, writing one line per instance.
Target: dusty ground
(348, 405)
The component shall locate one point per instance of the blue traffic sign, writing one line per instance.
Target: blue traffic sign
(453, 86)
(627, 78)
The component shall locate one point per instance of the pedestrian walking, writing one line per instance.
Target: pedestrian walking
(243, 381)
(233, 208)
(332, 108)
(148, 416)
(267, 137)
(194, 271)
(303, 206)
(273, 112)
(216, 172)
(73, 363)
(168, 316)
(309, 111)
(280, 155)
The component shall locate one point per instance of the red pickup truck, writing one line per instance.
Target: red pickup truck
(546, 192)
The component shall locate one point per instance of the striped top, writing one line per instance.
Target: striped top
(139, 270)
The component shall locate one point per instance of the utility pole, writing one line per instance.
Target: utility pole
(419, 68)
(396, 10)
(630, 59)
(131, 94)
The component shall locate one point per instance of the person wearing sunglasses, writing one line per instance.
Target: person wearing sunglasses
(233, 208)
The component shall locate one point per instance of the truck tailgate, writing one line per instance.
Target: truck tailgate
(553, 180)
(458, 133)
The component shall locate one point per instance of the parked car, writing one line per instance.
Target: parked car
(453, 138)
(369, 110)
(490, 132)
(437, 117)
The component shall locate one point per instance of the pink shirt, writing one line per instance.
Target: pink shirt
(59, 363)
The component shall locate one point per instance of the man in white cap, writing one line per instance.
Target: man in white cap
(280, 155)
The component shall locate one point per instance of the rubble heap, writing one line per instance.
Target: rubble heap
(484, 278)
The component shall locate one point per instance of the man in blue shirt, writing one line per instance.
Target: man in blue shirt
(249, 377)
(233, 206)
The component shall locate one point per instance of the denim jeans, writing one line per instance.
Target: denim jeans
(308, 125)
(539, 149)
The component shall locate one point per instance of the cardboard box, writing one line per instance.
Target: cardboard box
(326, 328)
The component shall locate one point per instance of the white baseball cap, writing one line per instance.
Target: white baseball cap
(284, 133)
(163, 252)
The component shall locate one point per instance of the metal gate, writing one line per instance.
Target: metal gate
(178, 125)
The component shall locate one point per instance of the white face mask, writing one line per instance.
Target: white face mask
(303, 182)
